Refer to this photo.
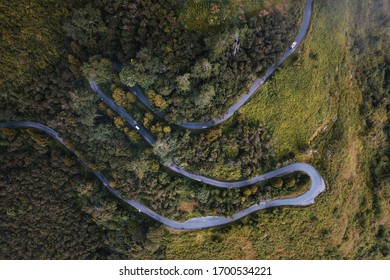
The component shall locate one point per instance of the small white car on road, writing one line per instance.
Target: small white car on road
(293, 45)
(137, 127)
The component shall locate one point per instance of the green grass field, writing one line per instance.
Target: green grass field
(311, 103)
(301, 99)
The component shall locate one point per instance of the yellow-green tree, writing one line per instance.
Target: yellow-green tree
(160, 102)
(119, 96)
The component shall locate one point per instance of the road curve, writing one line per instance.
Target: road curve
(317, 186)
(252, 90)
(122, 112)
(172, 166)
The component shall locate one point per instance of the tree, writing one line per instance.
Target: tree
(147, 67)
(142, 70)
(98, 69)
(74, 65)
(132, 135)
(277, 183)
(206, 96)
(86, 25)
(82, 102)
(128, 76)
(164, 148)
(119, 96)
(161, 148)
(232, 150)
(183, 82)
(119, 123)
(290, 182)
(202, 69)
(102, 133)
(160, 102)
(219, 43)
(214, 134)
(130, 97)
(148, 119)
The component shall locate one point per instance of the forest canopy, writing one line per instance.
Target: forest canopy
(327, 105)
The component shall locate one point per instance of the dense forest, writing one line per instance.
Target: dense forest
(193, 59)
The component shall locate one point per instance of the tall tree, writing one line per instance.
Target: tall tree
(98, 69)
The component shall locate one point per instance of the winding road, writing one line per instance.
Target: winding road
(172, 166)
(252, 90)
(317, 184)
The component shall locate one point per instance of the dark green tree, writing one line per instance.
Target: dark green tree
(86, 25)
(202, 69)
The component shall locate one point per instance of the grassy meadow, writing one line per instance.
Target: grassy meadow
(311, 106)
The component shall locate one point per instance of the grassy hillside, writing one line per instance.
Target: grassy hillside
(327, 105)
(312, 106)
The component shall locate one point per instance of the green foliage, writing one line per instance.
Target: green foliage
(348, 220)
(31, 38)
(183, 82)
(128, 76)
(206, 96)
(196, 15)
(41, 219)
(176, 61)
(86, 26)
(98, 69)
(328, 105)
(165, 149)
(142, 71)
(277, 183)
(231, 154)
(206, 15)
(220, 43)
(202, 69)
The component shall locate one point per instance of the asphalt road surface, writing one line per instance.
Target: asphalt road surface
(255, 86)
(317, 184)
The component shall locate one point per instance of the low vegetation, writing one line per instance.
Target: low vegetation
(327, 105)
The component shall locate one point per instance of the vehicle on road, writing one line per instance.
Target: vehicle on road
(316, 187)
(293, 45)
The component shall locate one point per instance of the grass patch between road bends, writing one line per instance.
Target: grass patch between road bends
(302, 95)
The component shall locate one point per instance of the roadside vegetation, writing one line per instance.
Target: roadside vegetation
(327, 105)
